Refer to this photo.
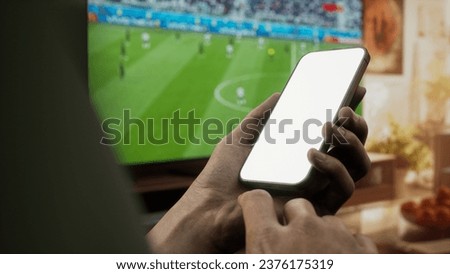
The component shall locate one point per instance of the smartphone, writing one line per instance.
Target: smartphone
(321, 84)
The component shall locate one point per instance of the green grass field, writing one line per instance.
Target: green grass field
(173, 75)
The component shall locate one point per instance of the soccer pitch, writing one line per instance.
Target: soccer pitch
(181, 71)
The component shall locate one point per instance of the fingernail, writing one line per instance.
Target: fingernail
(319, 156)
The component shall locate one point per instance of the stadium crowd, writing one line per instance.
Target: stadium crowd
(346, 14)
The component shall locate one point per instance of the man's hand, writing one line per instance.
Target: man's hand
(208, 219)
(344, 164)
(302, 231)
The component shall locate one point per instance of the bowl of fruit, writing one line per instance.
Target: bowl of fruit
(431, 212)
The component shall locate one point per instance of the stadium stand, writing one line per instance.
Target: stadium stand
(300, 12)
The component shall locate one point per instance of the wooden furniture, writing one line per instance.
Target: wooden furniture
(441, 149)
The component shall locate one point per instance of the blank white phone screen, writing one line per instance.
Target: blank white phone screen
(314, 92)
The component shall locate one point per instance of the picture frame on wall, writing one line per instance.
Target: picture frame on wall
(383, 35)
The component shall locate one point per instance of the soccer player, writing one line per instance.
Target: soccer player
(123, 51)
(261, 42)
(231, 41)
(287, 48)
(229, 50)
(240, 95)
(271, 52)
(121, 70)
(145, 40)
(207, 38)
(201, 48)
(302, 48)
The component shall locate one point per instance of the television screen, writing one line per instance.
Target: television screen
(169, 78)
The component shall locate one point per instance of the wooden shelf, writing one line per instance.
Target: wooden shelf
(162, 183)
(379, 183)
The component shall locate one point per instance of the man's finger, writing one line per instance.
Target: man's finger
(349, 150)
(298, 209)
(341, 184)
(258, 210)
(354, 123)
(357, 98)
